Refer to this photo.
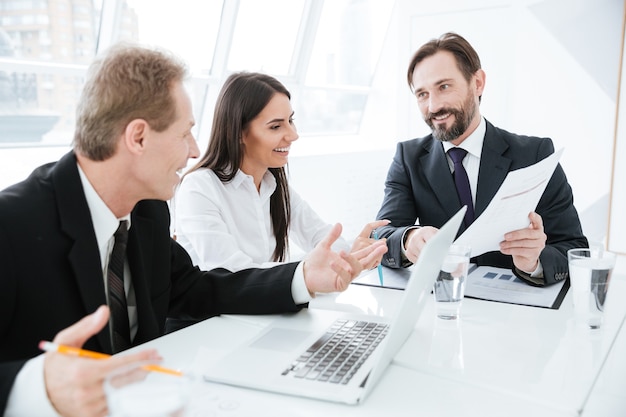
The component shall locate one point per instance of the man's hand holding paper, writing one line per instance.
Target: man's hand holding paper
(506, 224)
(526, 244)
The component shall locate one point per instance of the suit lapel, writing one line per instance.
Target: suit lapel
(492, 175)
(438, 174)
(84, 255)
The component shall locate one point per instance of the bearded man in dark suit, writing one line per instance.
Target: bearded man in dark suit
(420, 193)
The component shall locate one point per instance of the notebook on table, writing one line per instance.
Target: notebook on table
(303, 355)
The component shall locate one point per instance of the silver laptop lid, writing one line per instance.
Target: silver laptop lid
(423, 277)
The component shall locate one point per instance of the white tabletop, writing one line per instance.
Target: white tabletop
(498, 359)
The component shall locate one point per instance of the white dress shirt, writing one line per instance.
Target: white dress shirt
(229, 225)
(473, 144)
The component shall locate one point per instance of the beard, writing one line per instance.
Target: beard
(462, 119)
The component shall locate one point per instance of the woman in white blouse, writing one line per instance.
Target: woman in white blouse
(234, 209)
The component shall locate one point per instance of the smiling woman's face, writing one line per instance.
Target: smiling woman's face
(268, 137)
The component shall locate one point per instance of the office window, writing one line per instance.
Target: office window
(46, 46)
(342, 64)
(42, 19)
(37, 70)
(82, 24)
(323, 111)
(265, 36)
(347, 49)
(187, 27)
(81, 9)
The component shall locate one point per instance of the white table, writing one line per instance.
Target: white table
(498, 359)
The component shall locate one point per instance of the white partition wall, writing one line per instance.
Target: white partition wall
(617, 219)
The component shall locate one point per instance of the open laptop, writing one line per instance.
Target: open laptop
(278, 358)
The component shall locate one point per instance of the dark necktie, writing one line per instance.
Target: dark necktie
(117, 296)
(462, 182)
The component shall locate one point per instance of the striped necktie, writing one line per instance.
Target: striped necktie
(120, 332)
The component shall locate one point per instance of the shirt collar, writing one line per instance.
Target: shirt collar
(104, 221)
(268, 183)
(239, 178)
(473, 144)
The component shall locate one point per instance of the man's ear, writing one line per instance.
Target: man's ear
(134, 135)
(479, 79)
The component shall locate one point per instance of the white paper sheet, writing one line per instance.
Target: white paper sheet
(508, 210)
(497, 284)
(392, 278)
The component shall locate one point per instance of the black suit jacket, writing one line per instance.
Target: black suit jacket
(51, 275)
(419, 187)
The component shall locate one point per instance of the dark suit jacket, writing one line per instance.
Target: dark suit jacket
(419, 186)
(51, 275)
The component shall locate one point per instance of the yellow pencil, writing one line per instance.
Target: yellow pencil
(70, 350)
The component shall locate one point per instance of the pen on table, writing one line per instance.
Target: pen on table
(380, 267)
(70, 350)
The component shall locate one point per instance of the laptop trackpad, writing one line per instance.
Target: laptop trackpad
(280, 339)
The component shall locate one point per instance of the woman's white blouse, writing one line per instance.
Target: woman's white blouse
(228, 225)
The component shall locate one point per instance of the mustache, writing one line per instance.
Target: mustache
(442, 112)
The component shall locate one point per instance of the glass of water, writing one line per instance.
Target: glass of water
(450, 285)
(134, 391)
(590, 274)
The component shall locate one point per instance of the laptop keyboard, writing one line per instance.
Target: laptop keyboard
(339, 353)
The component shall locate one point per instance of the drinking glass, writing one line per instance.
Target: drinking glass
(134, 391)
(449, 288)
(590, 274)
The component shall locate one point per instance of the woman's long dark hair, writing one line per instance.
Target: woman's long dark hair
(243, 96)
